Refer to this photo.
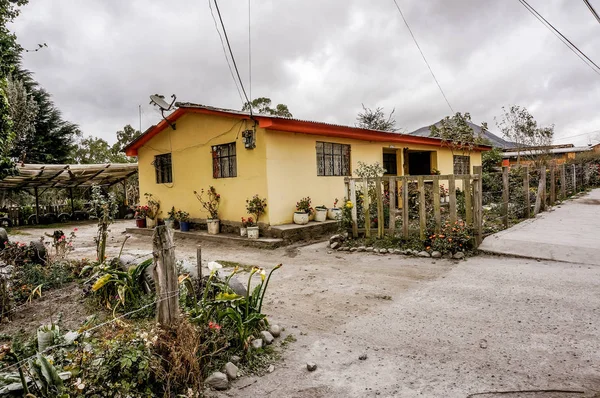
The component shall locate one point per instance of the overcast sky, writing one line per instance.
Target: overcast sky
(321, 58)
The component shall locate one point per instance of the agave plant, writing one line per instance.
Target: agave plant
(119, 288)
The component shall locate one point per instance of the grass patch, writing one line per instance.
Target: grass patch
(233, 264)
(290, 338)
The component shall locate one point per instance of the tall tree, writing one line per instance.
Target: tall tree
(23, 109)
(376, 119)
(96, 150)
(520, 127)
(457, 133)
(9, 58)
(263, 105)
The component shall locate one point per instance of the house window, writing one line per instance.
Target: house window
(462, 164)
(389, 163)
(224, 161)
(333, 159)
(163, 168)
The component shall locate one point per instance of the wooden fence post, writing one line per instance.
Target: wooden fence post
(478, 204)
(505, 196)
(574, 180)
(422, 211)
(392, 194)
(199, 267)
(468, 201)
(436, 204)
(405, 207)
(540, 193)
(563, 182)
(165, 276)
(353, 211)
(527, 209)
(366, 209)
(552, 184)
(452, 193)
(380, 218)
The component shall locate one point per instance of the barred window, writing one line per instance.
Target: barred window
(224, 161)
(333, 159)
(163, 168)
(462, 164)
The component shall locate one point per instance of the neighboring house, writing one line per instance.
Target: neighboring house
(559, 154)
(278, 158)
(489, 138)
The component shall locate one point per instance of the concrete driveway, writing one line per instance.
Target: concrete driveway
(569, 232)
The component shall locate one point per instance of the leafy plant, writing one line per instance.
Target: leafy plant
(256, 206)
(212, 201)
(153, 206)
(172, 213)
(182, 216)
(247, 222)
(141, 212)
(452, 238)
(304, 206)
(104, 208)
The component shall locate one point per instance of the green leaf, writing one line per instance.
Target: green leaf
(49, 372)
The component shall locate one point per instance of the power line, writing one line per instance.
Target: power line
(578, 135)
(249, 54)
(592, 10)
(225, 53)
(423, 55)
(562, 37)
(232, 57)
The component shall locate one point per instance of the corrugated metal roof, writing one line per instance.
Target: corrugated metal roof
(526, 152)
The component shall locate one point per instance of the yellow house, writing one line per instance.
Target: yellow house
(280, 159)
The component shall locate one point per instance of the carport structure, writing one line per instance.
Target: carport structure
(66, 176)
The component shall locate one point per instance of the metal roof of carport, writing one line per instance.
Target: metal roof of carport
(68, 175)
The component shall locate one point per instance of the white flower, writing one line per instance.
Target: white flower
(214, 266)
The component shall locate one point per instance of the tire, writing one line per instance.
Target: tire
(49, 218)
(5, 222)
(64, 217)
(31, 220)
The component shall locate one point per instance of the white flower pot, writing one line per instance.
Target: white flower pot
(300, 218)
(150, 222)
(243, 231)
(253, 232)
(320, 215)
(213, 226)
(334, 213)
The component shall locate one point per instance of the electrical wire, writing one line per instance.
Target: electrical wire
(578, 135)
(423, 55)
(249, 54)
(232, 57)
(562, 37)
(225, 52)
(592, 10)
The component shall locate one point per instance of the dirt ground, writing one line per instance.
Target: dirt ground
(429, 328)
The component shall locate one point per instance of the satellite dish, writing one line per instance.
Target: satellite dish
(159, 100)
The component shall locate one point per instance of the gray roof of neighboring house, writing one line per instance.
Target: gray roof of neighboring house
(494, 139)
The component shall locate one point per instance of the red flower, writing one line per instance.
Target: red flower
(214, 326)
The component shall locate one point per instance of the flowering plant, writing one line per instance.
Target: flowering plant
(153, 206)
(335, 202)
(256, 206)
(303, 206)
(211, 204)
(247, 222)
(141, 212)
(452, 238)
(182, 216)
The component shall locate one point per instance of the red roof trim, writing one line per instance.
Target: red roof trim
(293, 126)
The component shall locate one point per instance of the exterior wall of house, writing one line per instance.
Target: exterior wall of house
(190, 148)
(292, 169)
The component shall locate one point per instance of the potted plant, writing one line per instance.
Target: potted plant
(211, 205)
(153, 210)
(140, 216)
(245, 223)
(253, 231)
(334, 213)
(255, 206)
(184, 220)
(303, 211)
(170, 221)
(320, 213)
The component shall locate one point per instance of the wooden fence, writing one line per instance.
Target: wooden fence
(394, 193)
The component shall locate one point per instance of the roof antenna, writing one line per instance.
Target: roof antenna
(159, 100)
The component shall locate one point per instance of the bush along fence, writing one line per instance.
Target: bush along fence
(520, 192)
(434, 208)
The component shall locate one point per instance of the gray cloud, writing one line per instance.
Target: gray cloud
(323, 59)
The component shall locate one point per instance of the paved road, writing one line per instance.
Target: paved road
(570, 232)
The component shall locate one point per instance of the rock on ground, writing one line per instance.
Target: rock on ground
(218, 381)
(257, 343)
(459, 255)
(311, 366)
(237, 286)
(267, 337)
(231, 371)
(423, 254)
(335, 245)
(436, 254)
(275, 330)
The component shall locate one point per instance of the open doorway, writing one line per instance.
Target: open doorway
(390, 161)
(419, 163)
